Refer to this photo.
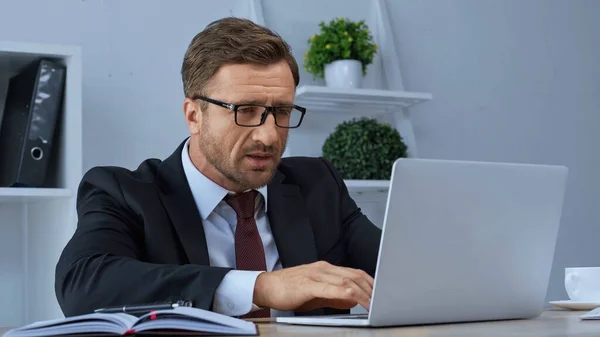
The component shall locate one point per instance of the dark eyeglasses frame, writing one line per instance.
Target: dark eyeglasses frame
(268, 110)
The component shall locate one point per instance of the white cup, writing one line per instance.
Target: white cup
(583, 284)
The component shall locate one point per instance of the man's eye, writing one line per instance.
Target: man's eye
(248, 109)
(284, 111)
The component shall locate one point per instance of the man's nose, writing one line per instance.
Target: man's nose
(267, 133)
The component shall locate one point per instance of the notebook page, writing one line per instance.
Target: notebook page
(63, 330)
(191, 315)
(101, 322)
(196, 325)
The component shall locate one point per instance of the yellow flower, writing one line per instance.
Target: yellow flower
(345, 33)
(349, 39)
(327, 46)
(313, 37)
(341, 19)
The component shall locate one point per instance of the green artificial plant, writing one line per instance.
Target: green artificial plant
(364, 149)
(340, 39)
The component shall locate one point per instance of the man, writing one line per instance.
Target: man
(224, 223)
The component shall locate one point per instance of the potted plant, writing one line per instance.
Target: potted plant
(340, 53)
(364, 149)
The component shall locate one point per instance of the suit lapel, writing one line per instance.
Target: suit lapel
(181, 208)
(290, 223)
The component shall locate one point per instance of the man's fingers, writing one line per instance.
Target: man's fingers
(354, 292)
(344, 271)
(347, 271)
(332, 287)
(362, 279)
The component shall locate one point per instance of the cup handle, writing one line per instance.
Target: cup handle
(571, 282)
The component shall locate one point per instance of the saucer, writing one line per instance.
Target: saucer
(575, 305)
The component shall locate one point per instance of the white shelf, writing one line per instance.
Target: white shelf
(36, 223)
(362, 101)
(367, 186)
(18, 194)
(15, 55)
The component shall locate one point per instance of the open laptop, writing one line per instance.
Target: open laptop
(462, 242)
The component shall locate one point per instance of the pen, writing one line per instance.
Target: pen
(136, 308)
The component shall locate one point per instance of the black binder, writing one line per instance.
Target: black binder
(33, 104)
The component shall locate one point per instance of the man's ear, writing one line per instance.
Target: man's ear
(193, 115)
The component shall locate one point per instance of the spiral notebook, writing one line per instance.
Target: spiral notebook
(178, 321)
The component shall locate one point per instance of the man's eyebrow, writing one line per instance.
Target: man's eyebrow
(249, 101)
(261, 102)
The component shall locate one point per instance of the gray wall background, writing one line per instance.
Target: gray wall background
(512, 81)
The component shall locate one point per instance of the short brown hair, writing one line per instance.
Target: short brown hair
(231, 40)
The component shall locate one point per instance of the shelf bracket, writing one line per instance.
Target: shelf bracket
(390, 62)
(252, 10)
(384, 37)
(256, 12)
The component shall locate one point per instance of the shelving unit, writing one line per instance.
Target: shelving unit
(324, 99)
(383, 104)
(36, 223)
(379, 103)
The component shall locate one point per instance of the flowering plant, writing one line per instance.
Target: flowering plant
(340, 39)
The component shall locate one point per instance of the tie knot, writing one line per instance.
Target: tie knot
(243, 203)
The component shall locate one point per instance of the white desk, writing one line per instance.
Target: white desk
(552, 323)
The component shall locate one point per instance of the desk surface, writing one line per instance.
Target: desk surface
(553, 323)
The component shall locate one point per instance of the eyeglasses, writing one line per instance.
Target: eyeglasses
(286, 116)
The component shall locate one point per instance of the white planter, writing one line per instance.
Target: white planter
(344, 74)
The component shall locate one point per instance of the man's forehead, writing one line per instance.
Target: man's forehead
(252, 89)
(278, 74)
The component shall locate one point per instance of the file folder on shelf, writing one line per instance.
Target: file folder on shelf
(32, 109)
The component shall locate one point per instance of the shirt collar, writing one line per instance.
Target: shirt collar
(207, 194)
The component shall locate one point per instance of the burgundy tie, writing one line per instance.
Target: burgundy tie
(249, 251)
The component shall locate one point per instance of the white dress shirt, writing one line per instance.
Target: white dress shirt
(234, 295)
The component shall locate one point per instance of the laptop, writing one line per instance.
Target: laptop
(462, 242)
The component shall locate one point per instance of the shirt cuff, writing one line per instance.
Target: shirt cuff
(234, 294)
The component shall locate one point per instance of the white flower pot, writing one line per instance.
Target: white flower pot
(344, 74)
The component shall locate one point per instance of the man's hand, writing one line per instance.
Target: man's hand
(313, 286)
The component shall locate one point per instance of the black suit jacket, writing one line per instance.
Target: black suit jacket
(140, 238)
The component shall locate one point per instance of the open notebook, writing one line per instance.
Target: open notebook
(182, 320)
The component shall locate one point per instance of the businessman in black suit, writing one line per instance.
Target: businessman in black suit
(224, 222)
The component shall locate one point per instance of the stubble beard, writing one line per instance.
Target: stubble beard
(217, 156)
